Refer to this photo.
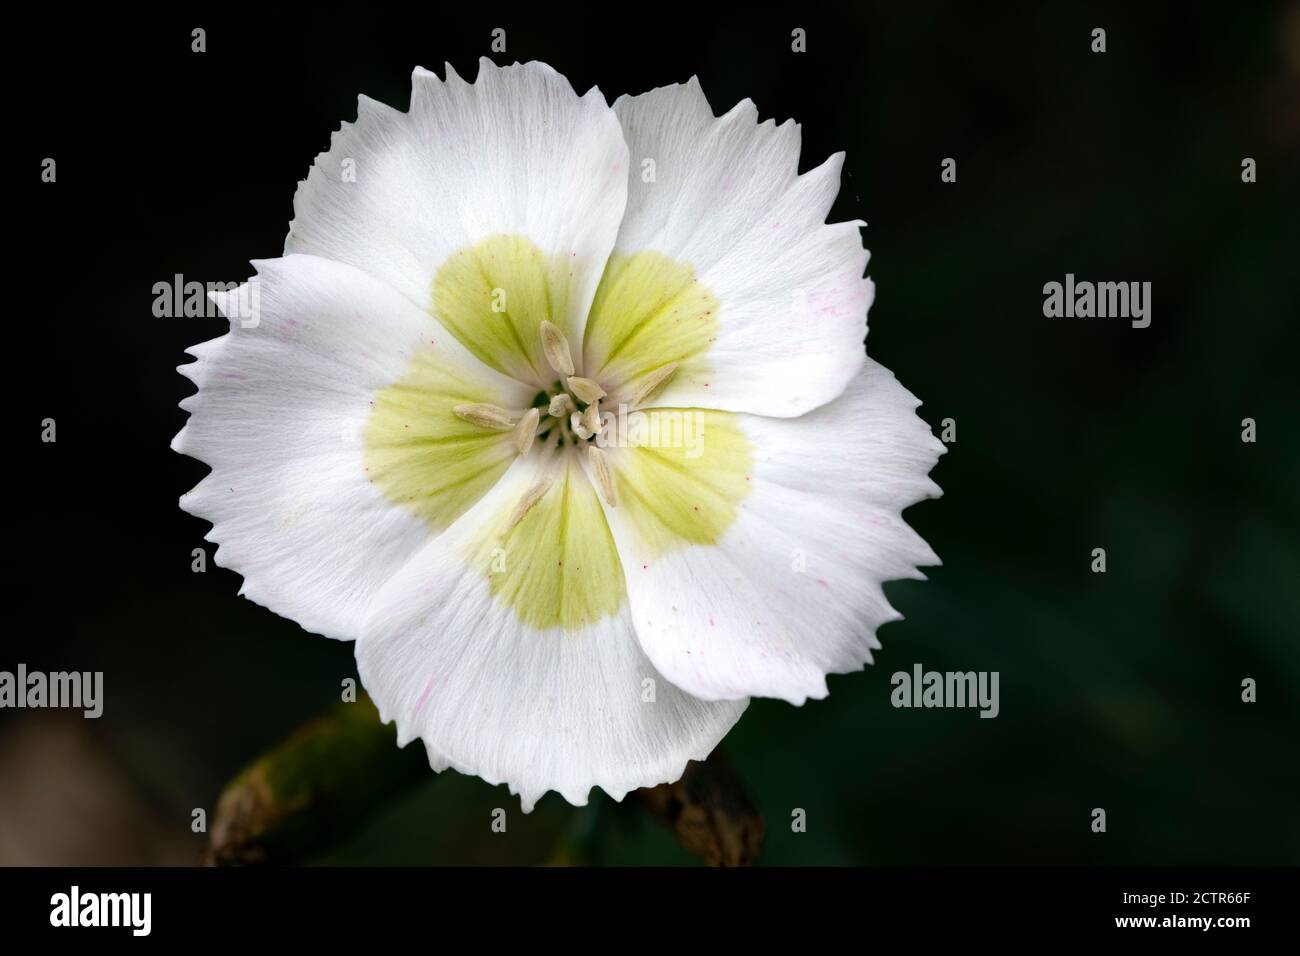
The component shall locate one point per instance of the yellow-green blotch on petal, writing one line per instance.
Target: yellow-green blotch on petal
(557, 565)
(494, 297)
(683, 476)
(423, 456)
(649, 311)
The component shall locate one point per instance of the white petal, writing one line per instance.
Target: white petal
(791, 591)
(516, 153)
(537, 709)
(280, 414)
(726, 201)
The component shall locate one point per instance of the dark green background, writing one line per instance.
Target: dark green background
(1118, 690)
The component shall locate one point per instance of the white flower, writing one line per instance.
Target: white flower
(399, 444)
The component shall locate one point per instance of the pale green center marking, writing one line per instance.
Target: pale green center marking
(557, 566)
(677, 494)
(649, 310)
(493, 297)
(421, 455)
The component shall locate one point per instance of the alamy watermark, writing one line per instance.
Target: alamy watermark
(1101, 300)
(240, 301)
(653, 428)
(922, 688)
(78, 690)
(74, 908)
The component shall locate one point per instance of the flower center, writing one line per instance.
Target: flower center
(578, 413)
(566, 414)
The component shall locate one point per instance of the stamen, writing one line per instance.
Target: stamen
(586, 390)
(526, 430)
(536, 494)
(604, 473)
(556, 347)
(591, 418)
(561, 405)
(484, 415)
(654, 383)
(579, 429)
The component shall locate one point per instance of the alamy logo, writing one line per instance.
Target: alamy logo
(75, 908)
(1102, 300)
(922, 688)
(652, 428)
(240, 301)
(75, 689)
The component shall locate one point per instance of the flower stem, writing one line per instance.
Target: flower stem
(710, 811)
(313, 790)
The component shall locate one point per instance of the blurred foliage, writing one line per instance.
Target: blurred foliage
(311, 790)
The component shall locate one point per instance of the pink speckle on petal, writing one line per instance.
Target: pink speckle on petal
(424, 697)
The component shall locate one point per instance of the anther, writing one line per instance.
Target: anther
(484, 415)
(535, 494)
(526, 430)
(556, 347)
(561, 405)
(579, 429)
(586, 390)
(654, 383)
(591, 418)
(604, 473)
